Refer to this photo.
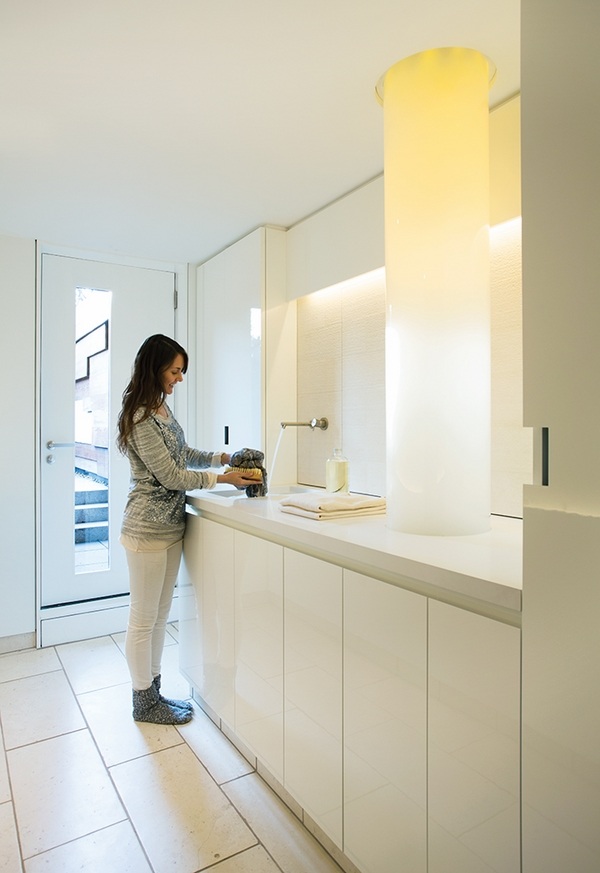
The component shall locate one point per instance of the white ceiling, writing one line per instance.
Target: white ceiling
(167, 129)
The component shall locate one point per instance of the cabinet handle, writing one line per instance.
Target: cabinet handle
(545, 456)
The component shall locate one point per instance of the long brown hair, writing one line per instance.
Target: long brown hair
(145, 390)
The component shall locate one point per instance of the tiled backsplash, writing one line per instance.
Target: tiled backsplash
(341, 375)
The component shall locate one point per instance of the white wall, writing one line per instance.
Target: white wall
(17, 453)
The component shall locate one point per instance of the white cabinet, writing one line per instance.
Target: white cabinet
(313, 688)
(246, 332)
(385, 726)
(390, 718)
(259, 649)
(207, 614)
(473, 750)
(230, 288)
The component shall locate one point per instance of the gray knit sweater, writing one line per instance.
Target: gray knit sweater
(160, 464)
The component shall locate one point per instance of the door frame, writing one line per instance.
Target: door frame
(106, 615)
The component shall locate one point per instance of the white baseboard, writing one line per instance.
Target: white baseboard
(86, 621)
(17, 643)
(83, 626)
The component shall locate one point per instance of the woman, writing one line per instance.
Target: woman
(163, 467)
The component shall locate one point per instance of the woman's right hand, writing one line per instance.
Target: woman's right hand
(237, 479)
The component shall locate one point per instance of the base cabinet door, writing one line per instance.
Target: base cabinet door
(189, 587)
(473, 749)
(385, 726)
(207, 623)
(313, 689)
(259, 649)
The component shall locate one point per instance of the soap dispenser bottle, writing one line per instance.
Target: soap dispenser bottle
(337, 473)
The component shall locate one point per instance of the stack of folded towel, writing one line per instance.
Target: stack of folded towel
(321, 506)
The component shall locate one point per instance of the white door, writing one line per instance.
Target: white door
(94, 317)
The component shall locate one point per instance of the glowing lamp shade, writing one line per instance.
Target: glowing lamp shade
(436, 182)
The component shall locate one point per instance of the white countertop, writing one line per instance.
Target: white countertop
(482, 572)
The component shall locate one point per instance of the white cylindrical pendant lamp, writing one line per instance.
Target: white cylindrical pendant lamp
(436, 182)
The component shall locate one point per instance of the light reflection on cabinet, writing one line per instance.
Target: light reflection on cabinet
(313, 688)
(385, 724)
(207, 614)
(259, 649)
(474, 713)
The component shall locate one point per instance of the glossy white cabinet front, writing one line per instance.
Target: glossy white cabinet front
(473, 759)
(259, 648)
(313, 688)
(385, 726)
(207, 614)
(390, 718)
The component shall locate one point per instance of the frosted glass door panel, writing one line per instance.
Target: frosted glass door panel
(385, 726)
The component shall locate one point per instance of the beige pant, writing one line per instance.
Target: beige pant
(152, 578)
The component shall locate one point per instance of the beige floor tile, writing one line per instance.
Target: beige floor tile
(61, 792)
(120, 640)
(37, 708)
(10, 860)
(17, 665)
(281, 833)
(113, 850)
(219, 756)
(183, 820)
(93, 664)
(118, 736)
(254, 860)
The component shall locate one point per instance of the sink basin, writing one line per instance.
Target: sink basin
(228, 493)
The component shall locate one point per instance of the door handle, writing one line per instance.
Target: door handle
(52, 445)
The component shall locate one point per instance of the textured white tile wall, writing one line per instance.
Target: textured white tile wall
(341, 375)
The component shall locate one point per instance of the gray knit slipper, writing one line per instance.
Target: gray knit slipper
(185, 705)
(148, 707)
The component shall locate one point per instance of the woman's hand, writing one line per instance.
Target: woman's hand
(237, 479)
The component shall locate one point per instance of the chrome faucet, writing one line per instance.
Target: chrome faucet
(321, 423)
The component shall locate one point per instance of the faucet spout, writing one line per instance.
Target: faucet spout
(321, 423)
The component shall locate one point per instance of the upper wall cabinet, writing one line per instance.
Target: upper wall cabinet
(231, 298)
(242, 320)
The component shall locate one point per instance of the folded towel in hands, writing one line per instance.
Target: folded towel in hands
(317, 505)
(247, 460)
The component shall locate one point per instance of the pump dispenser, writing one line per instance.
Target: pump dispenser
(337, 473)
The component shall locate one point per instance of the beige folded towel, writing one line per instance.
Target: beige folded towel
(312, 501)
(333, 514)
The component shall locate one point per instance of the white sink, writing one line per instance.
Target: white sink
(228, 493)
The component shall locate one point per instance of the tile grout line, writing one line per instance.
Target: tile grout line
(103, 762)
(10, 789)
